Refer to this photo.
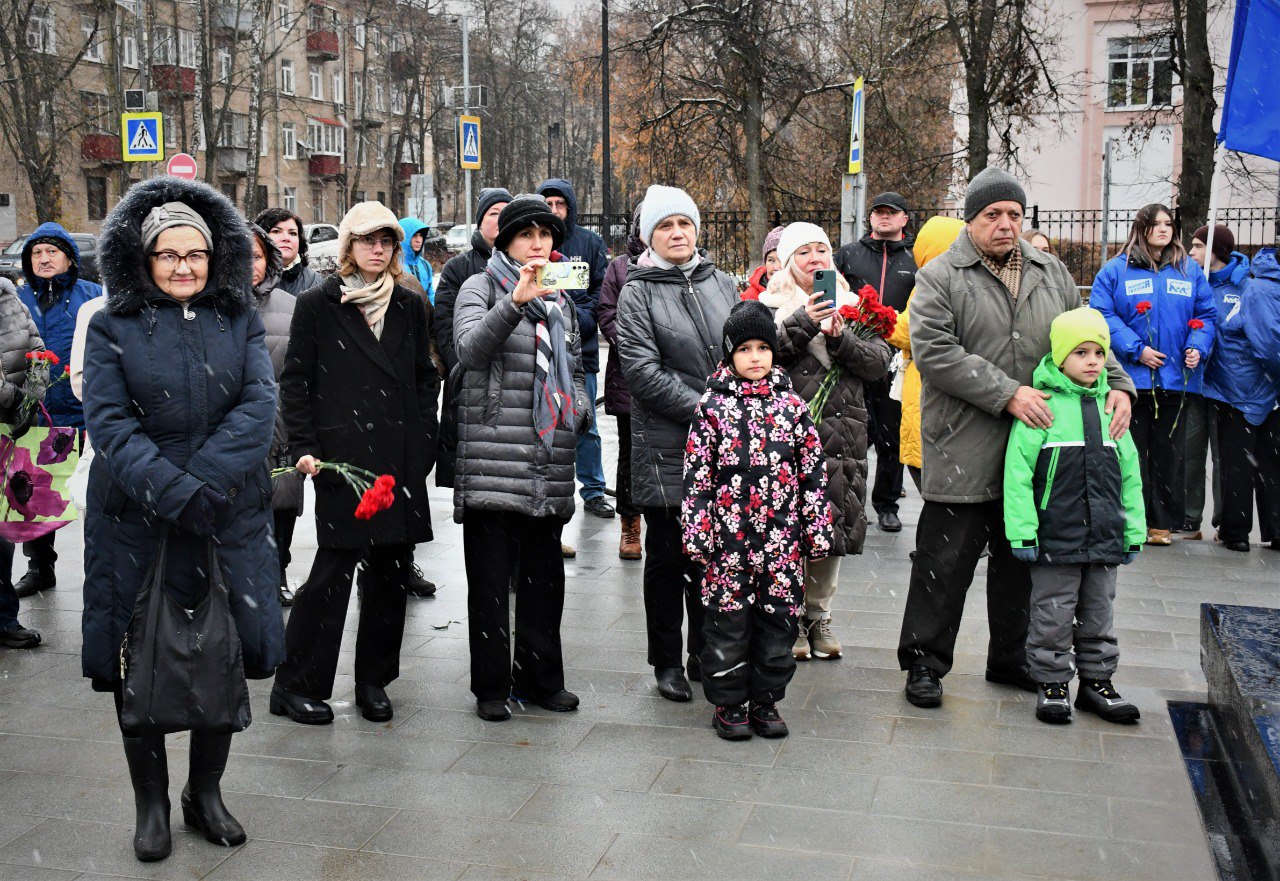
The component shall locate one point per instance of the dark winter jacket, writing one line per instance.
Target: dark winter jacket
(582, 244)
(754, 494)
(1070, 489)
(459, 268)
(1177, 295)
(299, 277)
(669, 342)
(617, 397)
(1237, 374)
(351, 397)
(502, 464)
(18, 336)
(54, 304)
(843, 422)
(889, 267)
(177, 396)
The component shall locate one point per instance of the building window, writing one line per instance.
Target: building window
(224, 64)
(284, 14)
(379, 96)
(129, 51)
(382, 150)
(326, 139)
(359, 35)
(1139, 74)
(317, 203)
(357, 94)
(290, 199)
(40, 31)
(96, 193)
(360, 195)
(382, 197)
(288, 140)
(317, 82)
(97, 113)
(186, 48)
(234, 130)
(229, 190)
(286, 76)
(339, 88)
(89, 28)
(163, 48)
(264, 140)
(397, 98)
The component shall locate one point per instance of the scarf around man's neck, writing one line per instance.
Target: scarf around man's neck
(1009, 271)
(553, 367)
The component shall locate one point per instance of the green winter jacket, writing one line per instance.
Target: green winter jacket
(1070, 489)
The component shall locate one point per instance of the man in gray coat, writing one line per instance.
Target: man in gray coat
(980, 322)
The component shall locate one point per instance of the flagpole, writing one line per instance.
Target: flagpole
(1219, 157)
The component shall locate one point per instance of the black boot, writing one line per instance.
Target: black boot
(202, 807)
(149, 773)
(37, 578)
(417, 585)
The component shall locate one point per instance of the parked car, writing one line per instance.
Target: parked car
(458, 238)
(11, 258)
(322, 246)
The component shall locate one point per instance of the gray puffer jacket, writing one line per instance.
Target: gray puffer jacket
(18, 336)
(502, 465)
(275, 308)
(669, 342)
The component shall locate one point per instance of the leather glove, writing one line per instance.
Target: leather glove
(1129, 558)
(1026, 555)
(198, 515)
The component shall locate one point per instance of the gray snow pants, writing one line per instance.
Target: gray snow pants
(1082, 595)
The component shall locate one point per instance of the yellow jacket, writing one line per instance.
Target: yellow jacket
(936, 236)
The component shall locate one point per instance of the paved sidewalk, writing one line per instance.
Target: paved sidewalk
(632, 786)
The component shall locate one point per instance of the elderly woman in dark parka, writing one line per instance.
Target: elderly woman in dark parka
(180, 403)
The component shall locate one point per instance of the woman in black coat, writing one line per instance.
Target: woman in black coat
(180, 401)
(358, 388)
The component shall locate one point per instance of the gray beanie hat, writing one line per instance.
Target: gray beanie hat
(169, 215)
(662, 202)
(489, 197)
(989, 186)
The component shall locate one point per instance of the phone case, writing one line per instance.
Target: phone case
(565, 276)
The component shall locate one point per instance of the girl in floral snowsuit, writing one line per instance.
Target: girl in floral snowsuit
(754, 508)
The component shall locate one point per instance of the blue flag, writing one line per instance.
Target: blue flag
(1251, 109)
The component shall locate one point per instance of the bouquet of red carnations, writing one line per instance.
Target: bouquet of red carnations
(375, 491)
(870, 318)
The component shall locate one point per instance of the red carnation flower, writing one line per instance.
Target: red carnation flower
(1195, 324)
(376, 498)
(1143, 307)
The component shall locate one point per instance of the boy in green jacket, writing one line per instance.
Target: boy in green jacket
(1073, 507)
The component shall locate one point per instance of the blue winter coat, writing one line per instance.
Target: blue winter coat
(582, 244)
(178, 396)
(1236, 375)
(54, 308)
(1177, 295)
(1261, 310)
(415, 264)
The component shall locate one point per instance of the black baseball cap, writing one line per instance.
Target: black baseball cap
(890, 200)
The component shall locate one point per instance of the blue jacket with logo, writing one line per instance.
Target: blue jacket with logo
(54, 304)
(582, 244)
(1240, 373)
(1177, 295)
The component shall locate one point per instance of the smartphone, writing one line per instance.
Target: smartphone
(824, 282)
(568, 275)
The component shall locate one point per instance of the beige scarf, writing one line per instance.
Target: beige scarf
(372, 299)
(784, 297)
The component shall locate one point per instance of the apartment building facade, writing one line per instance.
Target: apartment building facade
(307, 105)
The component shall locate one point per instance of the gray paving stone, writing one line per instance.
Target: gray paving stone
(305, 821)
(613, 810)
(1172, 821)
(925, 763)
(1092, 778)
(830, 787)
(680, 743)
(464, 794)
(259, 860)
(1087, 858)
(78, 845)
(991, 806)
(590, 766)
(643, 857)
(38, 873)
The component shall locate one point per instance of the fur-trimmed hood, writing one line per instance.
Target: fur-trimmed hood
(124, 265)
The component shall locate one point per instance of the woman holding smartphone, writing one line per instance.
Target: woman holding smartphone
(812, 341)
(522, 406)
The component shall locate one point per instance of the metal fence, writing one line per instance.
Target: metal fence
(1074, 234)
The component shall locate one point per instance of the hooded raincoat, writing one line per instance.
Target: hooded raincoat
(415, 263)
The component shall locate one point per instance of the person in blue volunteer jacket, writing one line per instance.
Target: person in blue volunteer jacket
(1242, 382)
(1228, 269)
(415, 262)
(583, 244)
(53, 294)
(1161, 314)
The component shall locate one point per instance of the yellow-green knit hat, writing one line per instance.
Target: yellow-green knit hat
(1070, 329)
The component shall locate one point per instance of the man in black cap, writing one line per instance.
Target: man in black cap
(882, 258)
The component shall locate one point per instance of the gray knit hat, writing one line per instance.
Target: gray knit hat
(989, 186)
(169, 215)
(662, 202)
(489, 197)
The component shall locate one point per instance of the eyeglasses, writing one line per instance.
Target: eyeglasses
(372, 242)
(170, 260)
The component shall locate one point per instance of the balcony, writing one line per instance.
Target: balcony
(233, 161)
(235, 18)
(402, 64)
(366, 122)
(405, 170)
(324, 165)
(173, 80)
(100, 148)
(322, 45)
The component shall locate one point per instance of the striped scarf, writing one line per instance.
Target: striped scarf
(1009, 272)
(553, 366)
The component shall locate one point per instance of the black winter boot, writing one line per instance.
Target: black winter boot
(149, 773)
(202, 807)
(37, 578)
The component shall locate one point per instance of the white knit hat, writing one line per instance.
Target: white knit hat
(662, 202)
(796, 235)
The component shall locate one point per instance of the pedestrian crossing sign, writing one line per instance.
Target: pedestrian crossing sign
(142, 137)
(469, 142)
(856, 128)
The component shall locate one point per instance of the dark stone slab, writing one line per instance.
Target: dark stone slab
(1240, 654)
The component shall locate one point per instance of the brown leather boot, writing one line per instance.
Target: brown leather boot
(629, 547)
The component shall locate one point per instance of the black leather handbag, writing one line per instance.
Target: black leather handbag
(182, 669)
